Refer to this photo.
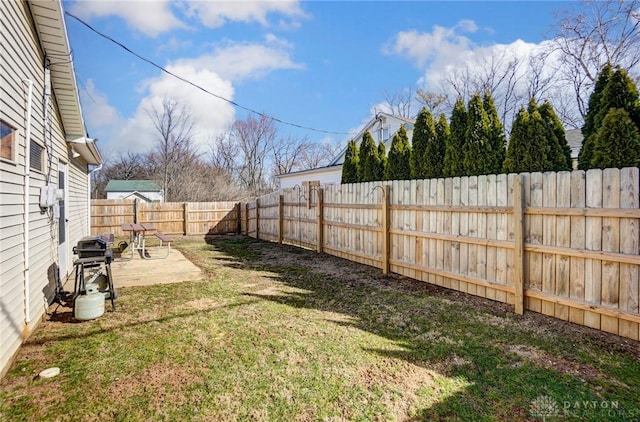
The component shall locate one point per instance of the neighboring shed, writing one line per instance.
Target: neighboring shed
(145, 190)
(382, 127)
(44, 166)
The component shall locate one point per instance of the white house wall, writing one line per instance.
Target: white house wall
(20, 59)
(152, 196)
(328, 176)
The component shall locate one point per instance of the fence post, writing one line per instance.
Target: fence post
(135, 210)
(518, 231)
(320, 221)
(280, 218)
(238, 209)
(386, 239)
(246, 219)
(185, 217)
(258, 218)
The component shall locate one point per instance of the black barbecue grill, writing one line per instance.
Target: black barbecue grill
(93, 253)
(94, 247)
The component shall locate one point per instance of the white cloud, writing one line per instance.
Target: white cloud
(216, 72)
(150, 17)
(216, 13)
(96, 109)
(119, 134)
(446, 54)
(212, 115)
(441, 43)
(237, 61)
(153, 17)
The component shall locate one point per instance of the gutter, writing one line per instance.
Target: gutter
(89, 197)
(27, 187)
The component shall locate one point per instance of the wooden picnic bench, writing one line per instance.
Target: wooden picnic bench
(163, 238)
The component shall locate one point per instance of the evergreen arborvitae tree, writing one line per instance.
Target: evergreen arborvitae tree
(617, 143)
(527, 150)
(559, 150)
(538, 135)
(398, 165)
(595, 102)
(613, 90)
(497, 141)
(382, 161)
(516, 149)
(454, 147)
(590, 125)
(434, 153)
(620, 92)
(477, 138)
(350, 167)
(369, 161)
(423, 132)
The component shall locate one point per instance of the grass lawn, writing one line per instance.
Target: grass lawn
(283, 334)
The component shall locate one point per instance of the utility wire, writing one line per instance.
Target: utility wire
(152, 63)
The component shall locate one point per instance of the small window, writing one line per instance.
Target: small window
(36, 159)
(7, 134)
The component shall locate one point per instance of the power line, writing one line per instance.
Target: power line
(152, 63)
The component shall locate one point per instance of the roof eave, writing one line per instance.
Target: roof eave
(49, 20)
(87, 149)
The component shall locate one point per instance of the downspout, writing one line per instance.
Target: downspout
(27, 187)
(89, 196)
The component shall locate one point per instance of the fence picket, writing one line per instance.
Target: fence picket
(610, 243)
(629, 244)
(549, 190)
(593, 241)
(501, 233)
(563, 239)
(578, 241)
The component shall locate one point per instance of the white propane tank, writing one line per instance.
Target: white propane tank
(89, 306)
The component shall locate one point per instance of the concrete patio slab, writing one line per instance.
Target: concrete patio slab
(175, 268)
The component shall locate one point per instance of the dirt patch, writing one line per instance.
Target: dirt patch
(399, 381)
(548, 361)
(203, 304)
(158, 382)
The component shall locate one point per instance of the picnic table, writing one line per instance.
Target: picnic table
(138, 238)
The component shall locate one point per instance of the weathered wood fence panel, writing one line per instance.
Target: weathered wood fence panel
(107, 215)
(564, 244)
(186, 218)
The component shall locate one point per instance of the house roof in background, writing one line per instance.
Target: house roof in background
(138, 195)
(574, 139)
(132, 186)
(379, 117)
(311, 171)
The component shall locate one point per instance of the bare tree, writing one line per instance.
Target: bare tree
(430, 100)
(126, 166)
(399, 102)
(287, 154)
(498, 74)
(603, 31)
(174, 150)
(318, 155)
(253, 140)
(539, 81)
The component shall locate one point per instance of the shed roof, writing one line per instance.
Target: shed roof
(132, 186)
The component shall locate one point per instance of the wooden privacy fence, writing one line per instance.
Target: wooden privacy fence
(186, 218)
(563, 244)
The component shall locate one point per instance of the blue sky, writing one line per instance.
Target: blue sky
(320, 64)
